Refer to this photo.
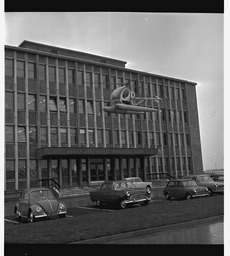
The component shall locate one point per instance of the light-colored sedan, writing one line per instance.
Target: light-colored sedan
(138, 183)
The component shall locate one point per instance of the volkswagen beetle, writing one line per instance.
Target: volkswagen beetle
(36, 203)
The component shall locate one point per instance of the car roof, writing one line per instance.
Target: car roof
(128, 178)
(187, 179)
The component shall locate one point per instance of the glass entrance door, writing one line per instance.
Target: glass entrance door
(96, 170)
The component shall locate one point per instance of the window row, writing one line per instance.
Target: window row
(169, 139)
(139, 87)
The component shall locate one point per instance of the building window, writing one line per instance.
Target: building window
(62, 105)
(165, 139)
(151, 139)
(182, 139)
(123, 137)
(22, 170)
(72, 106)
(105, 81)
(32, 134)
(9, 100)
(73, 136)
(42, 103)
(158, 139)
(31, 102)
(177, 94)
(82, 136)
(172, 92)
(88, 79)
(21, 134)
(162, 113)
(169, 115)
(20, 69)
(116, 137)
(9, 133)
(148, 89)
(91, 136)
(108, 137)
(71, 76)
(90, 107)
(98, 108)
(176, 139)
(52, 74)
(10, 171)
(42, 72)
(80, 80)
(145, 138)
(166, 92)
(131, 140)
(185, 117)
(61, 75)
(138, 137)
(183, 94)
(100, 136)
(21, 101)
(187, 139)
(53, 104)
(113, 83)
(31, 70)
(81, 106)
(33, 170)
(9, 67)
(54, 136)
(43, 135)
(97, 80)
(63, 136)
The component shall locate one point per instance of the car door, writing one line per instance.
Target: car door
(138, 183)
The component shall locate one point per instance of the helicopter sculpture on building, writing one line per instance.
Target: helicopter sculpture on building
(124, 101)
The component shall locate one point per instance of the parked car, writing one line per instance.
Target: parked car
(120, 193)
(217, 177)
(206, 181)
(184, 188)
(138, 183)
(36, 203)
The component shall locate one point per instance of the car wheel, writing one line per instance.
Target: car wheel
(122, 204)
(18, 217)
(188, 196)
(210, 192)
(99, 203)
(148, 189)
(144, 203)
(31, 217)
(167, 196)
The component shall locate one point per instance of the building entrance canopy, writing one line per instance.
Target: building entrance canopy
(73, 151)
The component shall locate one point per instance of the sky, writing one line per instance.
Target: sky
(187, 46)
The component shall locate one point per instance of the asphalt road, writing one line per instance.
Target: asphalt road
(191, 233)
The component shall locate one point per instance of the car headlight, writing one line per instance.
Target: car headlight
(61, 206)
(194, 190)
(127, 194)
(216, 184)
(38, 209)
(206, 189)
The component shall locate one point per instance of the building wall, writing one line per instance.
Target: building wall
(64, 109)
(194, 130)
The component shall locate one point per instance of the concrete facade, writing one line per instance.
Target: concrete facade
(55, 126)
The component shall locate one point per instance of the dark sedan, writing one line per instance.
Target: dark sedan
(120, 193)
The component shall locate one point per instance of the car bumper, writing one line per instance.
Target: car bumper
(137, 200)
(200, 195)
(50, 215)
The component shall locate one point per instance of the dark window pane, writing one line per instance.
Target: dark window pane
(9, 67)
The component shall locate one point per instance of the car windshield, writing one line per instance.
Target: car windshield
(217, 178)
(205, 179)
(122, 185)
(41, 194)
(190, 183)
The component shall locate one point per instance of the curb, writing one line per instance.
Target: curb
(101, 240)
